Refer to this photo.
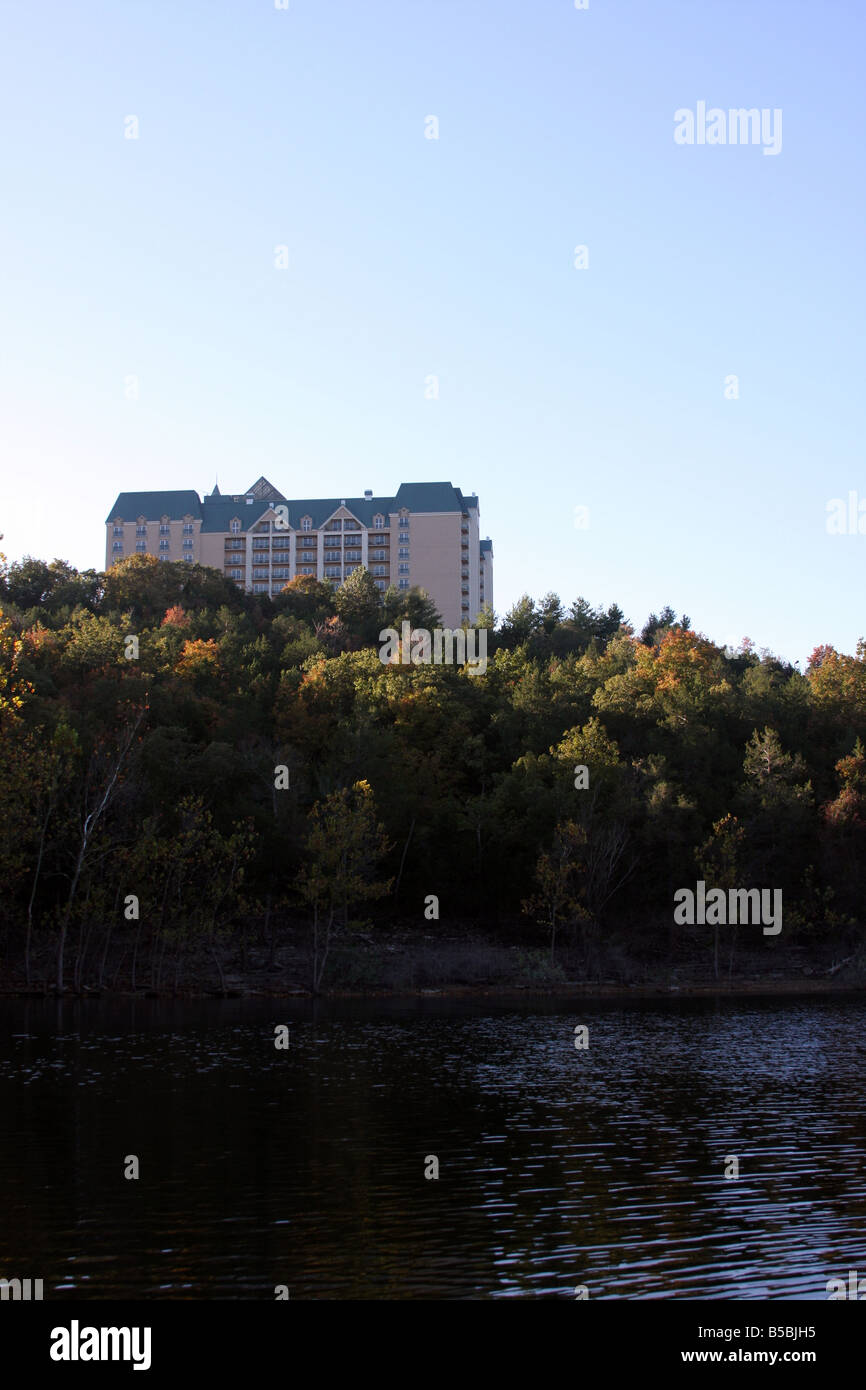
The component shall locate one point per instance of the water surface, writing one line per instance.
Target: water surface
(557, 1167)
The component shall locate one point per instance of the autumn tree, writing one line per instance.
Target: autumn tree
(359, 605)
(720, 862)
(345, 846)
(558, 900)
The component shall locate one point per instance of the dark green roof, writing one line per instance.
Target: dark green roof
(218, 513)
(429, 497)
(218, 510)
(153, 505)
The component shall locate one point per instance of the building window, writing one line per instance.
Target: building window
(260, 543)
(465, 605)
(236, 574)
(332, 571)
(141, 547)
(235, 545)
(404, 583)
(188, 559)
(378, 523)
(378, 569)
(163, 545)
(403, 538)
(263, 526)
(260, 588)
(280, 574)
(305, 569)
(187, 545)
(334, 526)
(164, 528)
(117, 530)
(141, 530)
(353, 556)
(402, 569)
(117, 548)
(308, 542)
(331, 541)
(403, 553)
(164, 559)
(351, 526)
(380, 583)
(234, 526)
(378, 555)
(306, 523)
(188, 528)
(281, 543)
(260, 574)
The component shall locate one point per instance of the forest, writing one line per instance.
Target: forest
(199, 783)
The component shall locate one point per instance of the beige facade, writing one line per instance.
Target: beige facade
(426, 536)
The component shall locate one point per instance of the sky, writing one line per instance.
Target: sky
(693, 379)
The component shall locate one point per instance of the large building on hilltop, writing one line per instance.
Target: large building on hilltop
(426, 536)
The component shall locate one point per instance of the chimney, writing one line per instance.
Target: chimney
(368, 492)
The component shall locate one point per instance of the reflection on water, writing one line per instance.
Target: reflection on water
(557, 1167)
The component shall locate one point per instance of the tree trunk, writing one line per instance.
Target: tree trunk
(36, 873)
(272, 938)
(403, 857)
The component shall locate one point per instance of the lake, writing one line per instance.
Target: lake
(558, 1167)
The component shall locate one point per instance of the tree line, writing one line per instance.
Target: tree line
(593, 770)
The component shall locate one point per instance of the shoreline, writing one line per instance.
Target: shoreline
(740, 989)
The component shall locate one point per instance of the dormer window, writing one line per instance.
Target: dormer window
(235, 525)
(306, 523)
(379, 522)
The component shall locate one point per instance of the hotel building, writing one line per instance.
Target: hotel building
(426, 536)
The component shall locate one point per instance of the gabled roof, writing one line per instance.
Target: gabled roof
(153, 505)
(321, 509)
(264, 491)
(218, 513)
(218, 509)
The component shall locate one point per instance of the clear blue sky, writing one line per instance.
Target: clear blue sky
(559, 387)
